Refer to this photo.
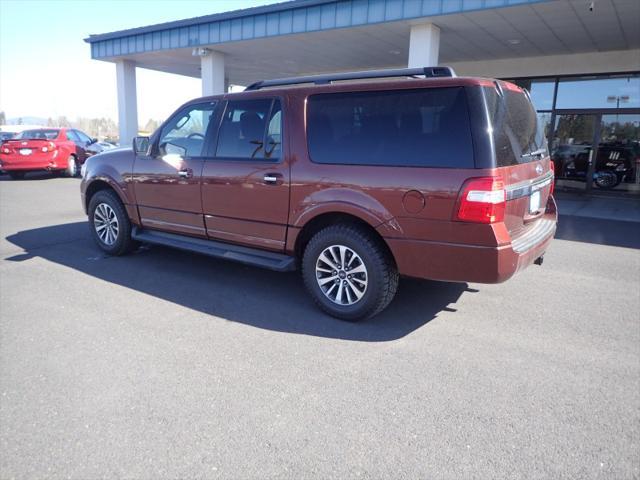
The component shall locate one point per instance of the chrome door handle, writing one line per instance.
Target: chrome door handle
(271, 178)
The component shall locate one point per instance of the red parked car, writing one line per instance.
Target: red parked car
(50, 149)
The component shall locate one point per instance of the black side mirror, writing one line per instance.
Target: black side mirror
(94, 140)
(140, 145)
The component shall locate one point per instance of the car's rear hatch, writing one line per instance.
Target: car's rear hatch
(521, 156)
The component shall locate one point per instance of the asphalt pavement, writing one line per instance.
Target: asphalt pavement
(165, 364)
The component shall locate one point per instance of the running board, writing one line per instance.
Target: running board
(250, 256)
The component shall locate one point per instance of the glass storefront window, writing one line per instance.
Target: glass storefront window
(571, 149)
(618, 158)
(544, 122)
(591, 149)
(541, 91)
(542, 94)
(590, 92)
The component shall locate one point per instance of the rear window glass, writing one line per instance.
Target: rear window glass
(38, 135)
(412, 128)
(517, 131)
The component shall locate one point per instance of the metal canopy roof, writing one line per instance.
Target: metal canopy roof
(297, 16)
(313, 36)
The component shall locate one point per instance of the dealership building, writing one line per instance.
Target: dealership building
(580, 59)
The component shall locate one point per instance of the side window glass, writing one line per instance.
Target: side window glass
(273, 148)
(419, 128)
(72, 137)
(83, 138)
(184, 134)
(242, 131)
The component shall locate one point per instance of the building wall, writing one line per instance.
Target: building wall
(592, 62)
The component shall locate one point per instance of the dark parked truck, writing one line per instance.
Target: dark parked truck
(354, 182)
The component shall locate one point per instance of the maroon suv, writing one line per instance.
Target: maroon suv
(353, 181)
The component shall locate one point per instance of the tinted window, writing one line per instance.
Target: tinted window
(38, 135)
(517, 130)
(184, 134)
(422, 128)
(247, 125)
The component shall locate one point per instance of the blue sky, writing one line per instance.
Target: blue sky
(46, 69)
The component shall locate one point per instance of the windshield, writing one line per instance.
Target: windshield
(38, 135)
(518, 133)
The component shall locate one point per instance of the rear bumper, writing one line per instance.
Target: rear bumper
(470, 263)
(42, 162)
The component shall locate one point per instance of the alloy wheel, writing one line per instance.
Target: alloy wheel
(606, 179)
(341, 275)
(106, 224)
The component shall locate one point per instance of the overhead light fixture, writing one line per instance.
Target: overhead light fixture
(514, 41)
(200, 52)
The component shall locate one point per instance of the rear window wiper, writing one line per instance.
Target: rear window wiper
(535, 153)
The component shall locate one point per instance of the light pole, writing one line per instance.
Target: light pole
(617, 99)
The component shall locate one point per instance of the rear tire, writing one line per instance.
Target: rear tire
(17, 175)
(348, 273)
(72, 166)
(110, 224)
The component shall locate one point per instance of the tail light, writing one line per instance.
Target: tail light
(483, 200)
(552, 167)
(49, 147)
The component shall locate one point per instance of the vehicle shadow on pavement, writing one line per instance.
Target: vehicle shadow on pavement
(235, 292)
(615, 233)
(31, 176)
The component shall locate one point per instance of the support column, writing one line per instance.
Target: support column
(424, 45)
(127, 101)
(212, 73)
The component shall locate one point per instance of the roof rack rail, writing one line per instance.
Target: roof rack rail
(427, 72)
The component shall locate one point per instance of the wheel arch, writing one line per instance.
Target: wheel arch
(100, 184)
(326, 219)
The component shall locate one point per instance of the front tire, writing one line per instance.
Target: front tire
(348, 273)
(607, 180)
(110, 224)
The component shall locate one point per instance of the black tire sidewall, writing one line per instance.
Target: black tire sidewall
(123, 242)
(357, 241)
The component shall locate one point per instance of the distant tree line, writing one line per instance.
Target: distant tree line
(101, 128)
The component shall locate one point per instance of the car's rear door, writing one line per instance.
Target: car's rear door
(166, 182)
(245, 185)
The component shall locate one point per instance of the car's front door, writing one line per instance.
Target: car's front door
(81, 155)
(245, 186)
(89, 146)
(166, 182)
